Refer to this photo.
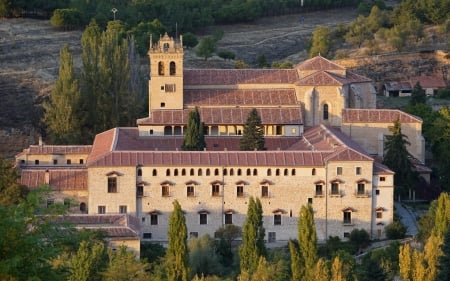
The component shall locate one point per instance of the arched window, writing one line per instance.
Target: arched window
(313, 171)
(216, 172)
(208, 172)
(139, 172)
(183, 172)
(231, 172)
(239, 172)
(293, 172)
(249, 172)
(277, 172)
(192, 172)
(83, 207)
(172, 68)
(200, 172)
(166, 47)
(161, 68)
(255, 172)
(154, 173)
(286, 173)
(325, 112)
(168, 172)
(175, 172)
(269, 172)
(225, 172)
(168, 130)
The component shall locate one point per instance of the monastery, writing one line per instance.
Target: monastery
(323, 134)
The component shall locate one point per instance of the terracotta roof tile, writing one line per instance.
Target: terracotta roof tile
(225, 116)
(377, 116)
(103, 143)
(59, 179)
(318, 63)
(429, 82)
(320, 78)
(238, 76)
(58, 149)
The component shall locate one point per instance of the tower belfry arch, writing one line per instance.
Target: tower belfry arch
(166, 73)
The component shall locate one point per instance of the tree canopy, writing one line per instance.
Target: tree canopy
(253, 136)
(194, 138)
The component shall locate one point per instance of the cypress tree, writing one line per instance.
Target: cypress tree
(177, 255)
(297, 263)
(418, 95)
(443, 266)
(194, 139)
(397, 157)
(307, 240)
(253, 136)
(253, 233)
(61, 111)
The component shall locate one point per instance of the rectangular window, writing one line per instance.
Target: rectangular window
(319, 190)
(346, 234)
(36, 162)
(379, 215)
(358, 170)
(69, 161)
(229, 218)
(240, 191)
(81, 161)
(190, 191)
(165, 191)
(147, 235)
(272, 237)
(347, 217)
(339, 170)
(170, 88)
(361, 189)
(278, 130)
(55, 161)
(112, 185)
(310, 201)
(203, 218)
(382, 178)
(264, 191)
(193, 234)
(215, 189)
(154, 219)
(139, 191)
(102, 209)
(277, 219)
(123, 209)
(377, 192)
(334, 188)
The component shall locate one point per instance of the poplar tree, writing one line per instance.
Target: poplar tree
(177, 253)
(253, 233)
(307, 240)
(87, 263)
(194, 139)
(297, 263)
(397, 157)
(61, 111)
(443, 266)
(321, 271)
(253, 136)
(405, 262)
(123, 266)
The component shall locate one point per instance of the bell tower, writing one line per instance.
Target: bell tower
(166, 74)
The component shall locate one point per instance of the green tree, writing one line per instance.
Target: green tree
(307, 240)
(321, 42)
(431, 254)
(253, 233)
(88, 262)
(123, 266)
(253, 136)
(61, 112)
(203, 259)
(189, 40)
(358, 32)
(206, 47)
(418, 95)
(405, 262)
(66, 18)
(177, 251)
(395, 230)
(322, 271)
(360, 238)
(439, 136)
(194, 139)
(11, 191)
(297, 262)
(397, 158)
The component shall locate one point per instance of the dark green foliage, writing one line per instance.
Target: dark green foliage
(206, 47)
(262, 61)
(397, 158)
(123, 266)
(443, 93)
(321, 42)
(253, 246)
(189, 40)
(386, 261)
(152, 251)
(66, 19)
(88, 262)
(194, 139)
(177, 251)
(226, 55)
(297, 262)
(443, 267)
(282, 65)
(203, 258)
(360, 238)
(142, 32)
(372, 272)
(307, 240)
(11, 192)
(418, 95)
(395, 230)
(253, 136)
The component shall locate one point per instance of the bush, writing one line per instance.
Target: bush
(226, 55)
(66, 18)
(360, 238)
(395, 230)
(240, 64)
(443, 94)
(189, 40)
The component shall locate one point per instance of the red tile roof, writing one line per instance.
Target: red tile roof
(225, 116)
(429, 82)
(57, 149)
(253, 97)
(238, 76)
(103, 143)
(377, 116)
(318, 63)
(59, 179)
(325, 78)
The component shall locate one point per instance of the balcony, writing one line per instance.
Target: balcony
(362, 194)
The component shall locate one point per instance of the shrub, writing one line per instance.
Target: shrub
(189, 40)
(226, 55)
(66, 18)
(395, 230)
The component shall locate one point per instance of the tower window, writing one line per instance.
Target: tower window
(163, 104)
(325, 112)
(172, 68)
(161, 68)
